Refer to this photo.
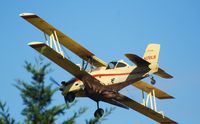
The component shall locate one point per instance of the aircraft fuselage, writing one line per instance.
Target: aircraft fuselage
(105, 76)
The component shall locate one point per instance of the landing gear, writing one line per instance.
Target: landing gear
(153, 81)
(63, 82)
(69, 97)
(99, 112)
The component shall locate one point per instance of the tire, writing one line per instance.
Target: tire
(99, 113)
(70, 97)
(153, 81)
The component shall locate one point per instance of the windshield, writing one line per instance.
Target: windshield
(111, 65)
(120, 64)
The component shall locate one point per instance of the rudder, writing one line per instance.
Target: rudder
(152, 53)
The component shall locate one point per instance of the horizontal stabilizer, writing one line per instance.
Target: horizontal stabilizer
(137, 60)
(148, 88)
(163, 74)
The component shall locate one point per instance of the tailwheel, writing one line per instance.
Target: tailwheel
(69, 97)
(153, 81)
(98, 113)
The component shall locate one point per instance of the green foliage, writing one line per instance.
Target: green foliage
(37, 99)
(4, 115)
(72, 119)
(98, 120)
(37, 96)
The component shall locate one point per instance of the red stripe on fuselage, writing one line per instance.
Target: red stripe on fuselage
(100, 75)
(97, 75)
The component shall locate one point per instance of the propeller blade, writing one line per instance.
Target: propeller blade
(66, 101)
(54, 81)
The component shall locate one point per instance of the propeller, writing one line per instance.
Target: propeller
(68, 97)
(54, 81)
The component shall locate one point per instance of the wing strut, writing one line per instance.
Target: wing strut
(151, 97)
(63, 39)
(54, 42)
(157, 116)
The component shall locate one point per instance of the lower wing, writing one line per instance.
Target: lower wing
(63, 62)
(144, 110)
(149, 88)
(51, 54)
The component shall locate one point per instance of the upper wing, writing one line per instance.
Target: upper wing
(144, 110)
(148, 88)
(63, 39)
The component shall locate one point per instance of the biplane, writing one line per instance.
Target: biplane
(102, 81)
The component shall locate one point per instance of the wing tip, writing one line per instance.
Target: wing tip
(128, 54)
(36, 44)
(170, 76)
(27, 15)
(167, 97)
(163, 74)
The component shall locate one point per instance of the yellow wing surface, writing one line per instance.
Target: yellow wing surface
(149, 88)
(63, 39)
(58, 59)
(83, 53)
(78, 73)
(146, 111)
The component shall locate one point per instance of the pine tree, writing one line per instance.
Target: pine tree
(37, 98)
(98, 120)
(5, 115)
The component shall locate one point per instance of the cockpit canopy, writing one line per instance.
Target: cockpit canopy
(116, 64)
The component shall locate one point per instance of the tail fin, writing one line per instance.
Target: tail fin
(150, 59)
(152, 53)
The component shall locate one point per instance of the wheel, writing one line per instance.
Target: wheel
(69, 97)
(63, 82)
(99, 113)
(153, 81)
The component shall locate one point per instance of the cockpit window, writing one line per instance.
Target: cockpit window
(111, 65)
(120, 64)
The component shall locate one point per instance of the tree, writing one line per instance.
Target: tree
(4, 115)
(98, 120)
(37, 98)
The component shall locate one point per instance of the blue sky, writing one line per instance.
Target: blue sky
(110, 28)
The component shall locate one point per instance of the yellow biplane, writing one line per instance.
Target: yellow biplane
(102, 81)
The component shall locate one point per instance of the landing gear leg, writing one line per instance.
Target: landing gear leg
(99, 112)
